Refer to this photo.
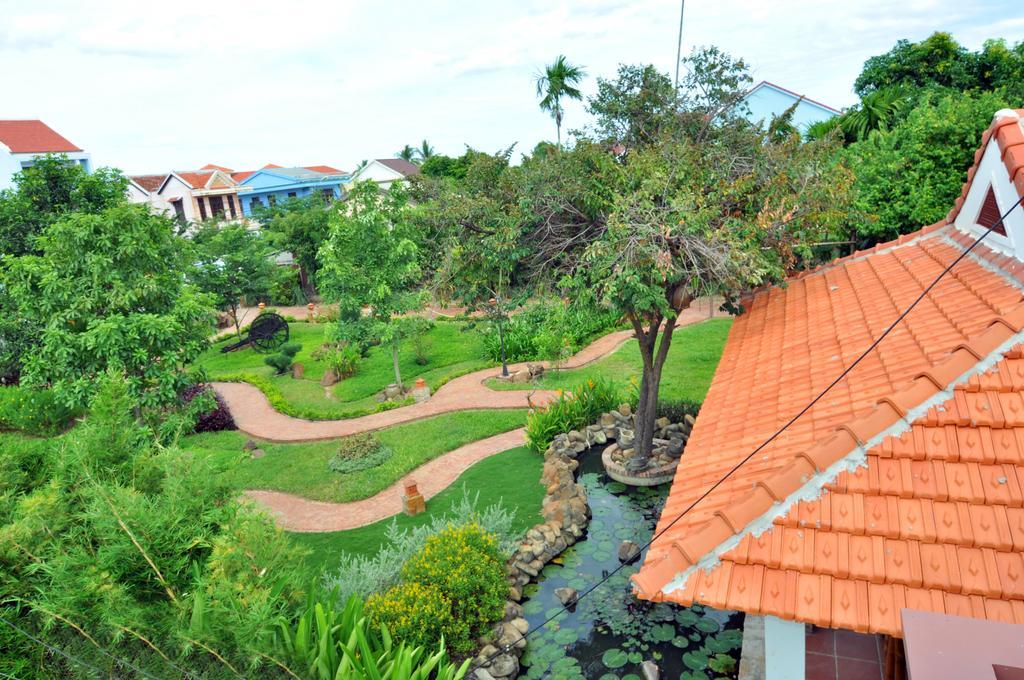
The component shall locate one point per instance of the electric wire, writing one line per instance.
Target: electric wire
(604, 579)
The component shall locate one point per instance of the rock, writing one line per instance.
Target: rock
(650, 670)
(628, 551)
(607, 420)
(520, 624)
(515, 593)
(298, 370)
(521, 376)
(257, 453)
(513, 610)
(675, 448)
(577, 436)
(482, 674)
(536, 370)
(626, 410)
(566, 596)
(392, 391)
(249, 445)
(487, 652)
(662, 423)
(689, 420)
(504, 666)
(526, 569)
(330, 378)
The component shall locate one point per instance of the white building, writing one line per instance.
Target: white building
(22, 141)
(386, 171)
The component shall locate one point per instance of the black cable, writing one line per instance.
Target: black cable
(50, 647)
(766, 442)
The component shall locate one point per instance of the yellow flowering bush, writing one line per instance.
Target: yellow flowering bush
(455, 585)
(418, 614)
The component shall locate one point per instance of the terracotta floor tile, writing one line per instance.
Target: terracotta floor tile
(855, 669)
(821, 640)
(856, 646)
(819, 666)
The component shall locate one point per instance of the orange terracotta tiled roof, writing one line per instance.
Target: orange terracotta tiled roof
(326, 169)
(33, 136)
(1009, 135)
(902, 487)
(211, 166)
(148, 182)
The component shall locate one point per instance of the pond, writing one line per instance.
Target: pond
(611, 633)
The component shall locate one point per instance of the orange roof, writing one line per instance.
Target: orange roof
(33, 136)
(902, 487)
(326, 169)
(197, 180)
(242, 174)
(211, 166)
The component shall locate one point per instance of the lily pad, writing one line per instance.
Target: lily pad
(722, 663)
(566, 636)
(695, 660)
(663, 632)
(707, 625)
(681, 642)
(686, 617)
(614, 658)
(635, 657)
(615, 487)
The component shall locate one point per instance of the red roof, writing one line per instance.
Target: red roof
(195, 179)
(211, 166)
(902, 487)
(270, 166)
(148, 182)
(242, 174)
(326, 169)
(33, 136)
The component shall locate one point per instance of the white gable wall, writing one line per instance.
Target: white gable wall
(992, 172)
(175, 187)
(379, 173)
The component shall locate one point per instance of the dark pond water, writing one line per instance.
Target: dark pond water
(611, 633)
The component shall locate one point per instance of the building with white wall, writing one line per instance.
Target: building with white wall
(23, 141)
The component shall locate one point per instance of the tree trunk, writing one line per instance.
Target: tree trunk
(234, 317)
(394, 362)
(654, 354)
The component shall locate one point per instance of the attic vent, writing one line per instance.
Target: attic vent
(989, 215)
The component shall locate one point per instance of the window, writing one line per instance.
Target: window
(217, 205)
(291, 194)
(255, 204)
(271, 200)
(202, 208)
(328, 195)
(989, 215)
(179, 211)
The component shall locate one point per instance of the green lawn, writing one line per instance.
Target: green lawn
(452, 349)
(301, 469)
(691, 364)
(490, 478)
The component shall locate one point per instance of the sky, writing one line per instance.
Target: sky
(149, 88)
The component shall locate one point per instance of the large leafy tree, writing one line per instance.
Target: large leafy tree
(370, 262)
(556, 82)
(407, 153)
(108, 291)
(424, 152)
(231, 262)
(46, 191)
(636, 107)
(299, 226)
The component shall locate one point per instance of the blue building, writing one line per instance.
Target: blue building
(766, 100)
(268, 186)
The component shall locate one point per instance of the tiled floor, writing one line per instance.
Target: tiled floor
(843, 655)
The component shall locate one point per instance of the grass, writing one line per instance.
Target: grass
(490, 478)
(691, 364)
(301, 468)
(452, 349)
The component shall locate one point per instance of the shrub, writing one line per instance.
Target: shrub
(33, 411)
(359, 452)
(282, 361)
(677, 410)
(453, 587)
(285, 288)
(290, 349)
(571, 411)
(362, 576)
(548, 329)
(343, 360)
(216, 418)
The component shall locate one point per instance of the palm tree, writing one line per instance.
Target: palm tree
(554, 82)
(407, 153)
(425, 151)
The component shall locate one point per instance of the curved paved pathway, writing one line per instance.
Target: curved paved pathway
(295, 513)
(254, 415)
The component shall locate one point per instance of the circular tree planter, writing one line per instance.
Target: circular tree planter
(652, 476)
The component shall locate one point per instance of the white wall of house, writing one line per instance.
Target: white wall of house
(379, 173)
(784, 649)
(13, 163)
(175, 188)
(992, 172)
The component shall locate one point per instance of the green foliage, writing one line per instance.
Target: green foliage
(139, 547)
(549, 329)
(231, 262)
(454, 588)
(326, 643)
(343, 360)
(107, 291)
(47, 191)
(556, 81)
(939, 60)
(33, 411)
(359, 452)
(440, 165)
(570, 411)
(634, 109)
(285, 287)
(299, 226)
(282, 360)
(910, 175)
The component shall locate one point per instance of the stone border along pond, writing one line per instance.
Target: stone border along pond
(591, 525)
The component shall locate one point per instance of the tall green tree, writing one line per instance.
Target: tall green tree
(51, 188)
(108, 291)
(299, 226)
(556, 82)
(370, 262)
(425, 152)
(231, 262)
(407, 153)
(635, 108)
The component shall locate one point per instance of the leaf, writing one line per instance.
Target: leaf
(695, 660)
(614, 658)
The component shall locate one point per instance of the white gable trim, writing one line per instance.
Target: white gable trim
(992, 172)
